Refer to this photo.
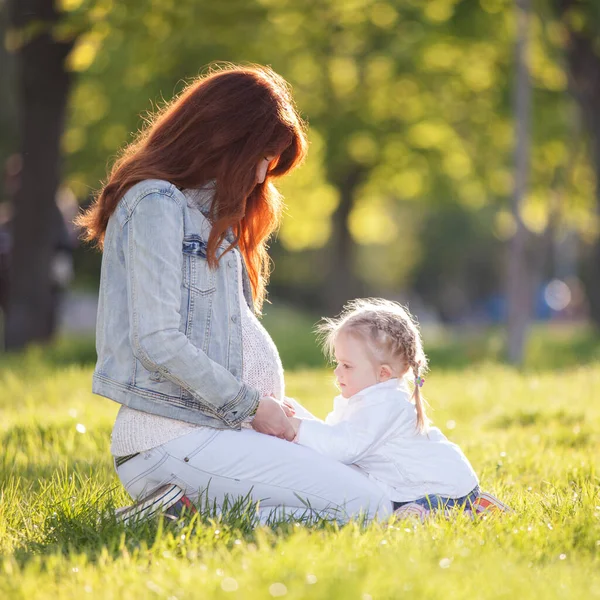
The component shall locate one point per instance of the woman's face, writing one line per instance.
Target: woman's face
(263, 167)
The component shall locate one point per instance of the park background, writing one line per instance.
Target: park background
(454, 164)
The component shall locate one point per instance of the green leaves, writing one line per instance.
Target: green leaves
(416, 95)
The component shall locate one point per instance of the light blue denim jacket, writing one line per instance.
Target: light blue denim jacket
(168, 333)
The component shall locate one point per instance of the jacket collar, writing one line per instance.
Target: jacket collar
(201, 199)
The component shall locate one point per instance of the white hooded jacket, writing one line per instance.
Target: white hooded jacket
(376, 431)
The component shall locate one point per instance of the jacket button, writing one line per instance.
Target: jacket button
(234, 318)
(231, 262)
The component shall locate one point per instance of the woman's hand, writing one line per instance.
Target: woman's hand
(271, 418)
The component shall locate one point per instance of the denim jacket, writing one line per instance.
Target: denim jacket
(168, 332)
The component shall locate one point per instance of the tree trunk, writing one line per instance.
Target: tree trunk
(8, 130)
(342, 283)
(584, 80)
(37, 226)
(519, 292)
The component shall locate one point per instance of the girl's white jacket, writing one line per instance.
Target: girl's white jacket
(376, 431)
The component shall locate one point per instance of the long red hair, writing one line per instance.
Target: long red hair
(219, 127)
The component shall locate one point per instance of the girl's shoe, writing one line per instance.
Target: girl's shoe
(168, 499)
(486, 503)
(411, 511)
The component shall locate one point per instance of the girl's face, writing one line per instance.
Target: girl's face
(263, 167)
(355, 369)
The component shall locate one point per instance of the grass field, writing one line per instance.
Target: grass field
(532, 436)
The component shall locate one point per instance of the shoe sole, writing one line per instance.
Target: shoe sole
(412, 510)
(487, 503)
(160, 500)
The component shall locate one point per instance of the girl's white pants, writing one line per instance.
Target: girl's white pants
(285, 478)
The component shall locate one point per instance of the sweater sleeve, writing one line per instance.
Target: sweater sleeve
(354, 437)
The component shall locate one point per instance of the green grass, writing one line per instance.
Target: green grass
(532, 435)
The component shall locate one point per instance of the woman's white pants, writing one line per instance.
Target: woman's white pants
(283, 477)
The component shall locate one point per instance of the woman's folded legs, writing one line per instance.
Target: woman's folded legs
(216, 466)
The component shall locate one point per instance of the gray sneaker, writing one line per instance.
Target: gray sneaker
(168, 499)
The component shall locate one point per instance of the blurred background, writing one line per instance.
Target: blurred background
(454, 161)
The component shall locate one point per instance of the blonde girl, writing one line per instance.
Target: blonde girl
(379, 422)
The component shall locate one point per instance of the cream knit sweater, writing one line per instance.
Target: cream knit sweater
(135, 431)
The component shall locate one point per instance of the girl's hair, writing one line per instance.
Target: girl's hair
(391, 335)
(219, 128)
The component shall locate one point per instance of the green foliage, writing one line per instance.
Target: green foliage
(532, 438)
(416, 97)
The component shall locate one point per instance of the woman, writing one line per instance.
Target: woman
(183, 222)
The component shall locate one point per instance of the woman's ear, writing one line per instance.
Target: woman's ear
(385, 373)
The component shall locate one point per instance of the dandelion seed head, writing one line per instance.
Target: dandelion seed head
(229, 584)
(153, 587)
(277, 589)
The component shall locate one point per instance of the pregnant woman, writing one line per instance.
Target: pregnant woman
(183, 222)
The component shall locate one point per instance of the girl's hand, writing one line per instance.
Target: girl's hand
(288, 408)
(295, 424)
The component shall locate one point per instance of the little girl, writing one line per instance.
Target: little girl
(377, 425)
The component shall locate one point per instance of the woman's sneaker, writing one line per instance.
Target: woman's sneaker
(168, 499)
(486, 503)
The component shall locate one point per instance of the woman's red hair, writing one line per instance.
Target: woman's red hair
(219, 127)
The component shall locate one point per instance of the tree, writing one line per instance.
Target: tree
(7, 96)
(37, 225)
(52, 42)
(581, 20)
(407, 102)
(519, 282)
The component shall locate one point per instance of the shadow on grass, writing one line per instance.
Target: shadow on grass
(537, 418)
(34, 452)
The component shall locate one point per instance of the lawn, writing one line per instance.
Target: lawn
(532, 435)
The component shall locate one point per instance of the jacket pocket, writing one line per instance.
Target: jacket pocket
(197, 275)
